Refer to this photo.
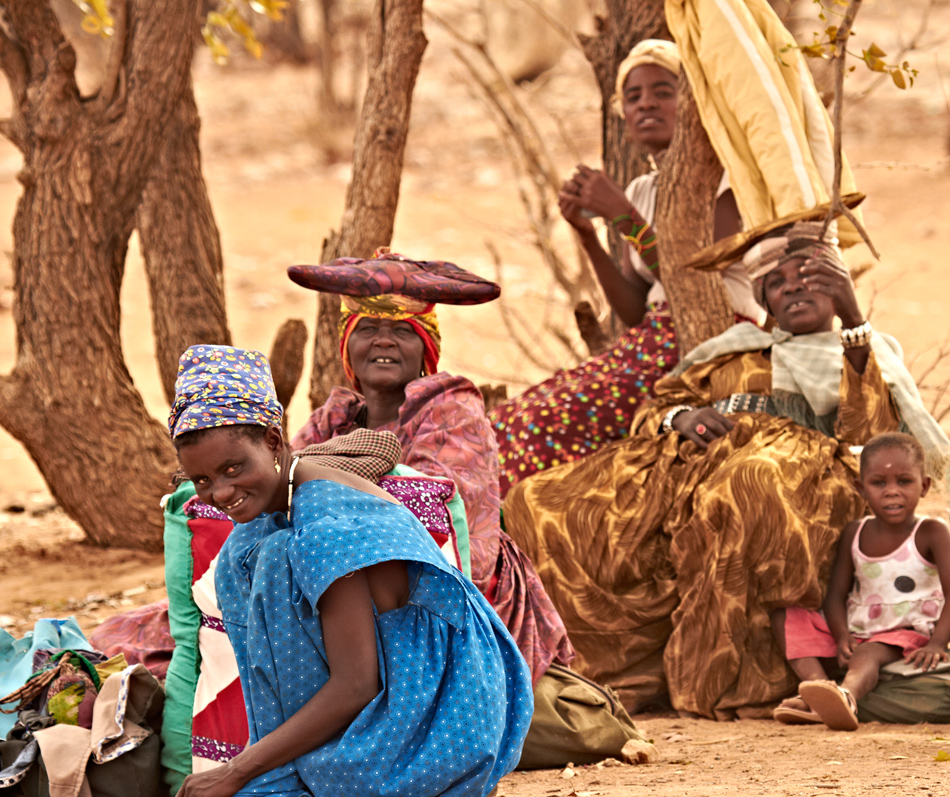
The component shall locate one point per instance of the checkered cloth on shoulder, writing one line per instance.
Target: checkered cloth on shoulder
(365, 452)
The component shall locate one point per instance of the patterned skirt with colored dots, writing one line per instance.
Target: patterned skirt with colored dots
(580, 409)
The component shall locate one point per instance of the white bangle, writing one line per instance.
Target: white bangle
(856, 337)
(667, 425)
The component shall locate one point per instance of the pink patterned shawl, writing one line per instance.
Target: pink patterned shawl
(444, 432)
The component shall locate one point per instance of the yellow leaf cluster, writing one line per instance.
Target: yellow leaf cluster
(96, 17)
(228, 18)
(824, 45)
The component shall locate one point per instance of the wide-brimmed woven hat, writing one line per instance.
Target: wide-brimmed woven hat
(432, 281)
(727, 250)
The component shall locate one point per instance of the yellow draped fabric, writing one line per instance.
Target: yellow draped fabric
(759, 105)
(665, 560)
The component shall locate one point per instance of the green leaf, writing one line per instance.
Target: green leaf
(875, 51)
(942, 755)
(898, 77)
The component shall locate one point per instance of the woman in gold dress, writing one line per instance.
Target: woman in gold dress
(665, 552)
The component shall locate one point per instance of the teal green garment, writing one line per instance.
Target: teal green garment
(456, 509)
(16, 655)
(184, 619)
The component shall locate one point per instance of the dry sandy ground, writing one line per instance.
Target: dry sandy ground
(276, 197)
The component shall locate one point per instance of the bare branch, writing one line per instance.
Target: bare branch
(538, 150)
(530, 345)
(920, 167)
(565, 341)
(942, 352)
(33, 49)
(565, 32)
(113, 81)
(837, 206)
(528, 170)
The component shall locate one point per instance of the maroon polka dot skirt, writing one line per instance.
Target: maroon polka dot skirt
(580, 409)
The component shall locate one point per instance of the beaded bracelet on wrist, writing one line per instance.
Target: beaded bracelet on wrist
(666, 426)
(856, 337)
(641, 243)
(620, 218)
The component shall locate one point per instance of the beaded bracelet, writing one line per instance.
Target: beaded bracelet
(641, 244)
(666, 426)
(856, 337)
(622, 217)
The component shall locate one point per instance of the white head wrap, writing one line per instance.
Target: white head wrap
(801, 239)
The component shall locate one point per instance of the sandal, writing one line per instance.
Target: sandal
(795, 716)
(834, 704)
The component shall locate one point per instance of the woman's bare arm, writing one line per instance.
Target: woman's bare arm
(624, 289)
(349, 635)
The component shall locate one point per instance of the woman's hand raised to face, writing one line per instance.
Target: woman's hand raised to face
(824, 272)
(702, 426)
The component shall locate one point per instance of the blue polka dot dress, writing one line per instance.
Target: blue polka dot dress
(456, 697)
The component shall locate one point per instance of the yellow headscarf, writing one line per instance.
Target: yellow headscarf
(649, 51)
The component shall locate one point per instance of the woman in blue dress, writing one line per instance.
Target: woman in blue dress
(369, 665)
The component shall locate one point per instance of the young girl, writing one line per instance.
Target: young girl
(885, 595)
(369, 666)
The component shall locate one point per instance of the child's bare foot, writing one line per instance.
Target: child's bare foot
(795, 711)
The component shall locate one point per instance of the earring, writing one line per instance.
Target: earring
(276, 465)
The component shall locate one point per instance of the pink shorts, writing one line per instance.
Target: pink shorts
(807, 635)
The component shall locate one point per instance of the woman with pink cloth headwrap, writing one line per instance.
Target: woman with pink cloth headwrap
(390, 346)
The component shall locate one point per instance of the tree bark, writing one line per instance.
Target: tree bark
(181, 247)
(70, 399)
(686, 200)
(396, 45)
(286, 362)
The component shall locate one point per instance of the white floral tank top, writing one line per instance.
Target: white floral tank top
(900, 590)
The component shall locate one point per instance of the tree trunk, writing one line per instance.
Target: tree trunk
(396, 45)
(686, 200)
(181, 247)
(326, 92)
(70, 399)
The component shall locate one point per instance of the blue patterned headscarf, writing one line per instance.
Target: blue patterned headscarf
(223, 386)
